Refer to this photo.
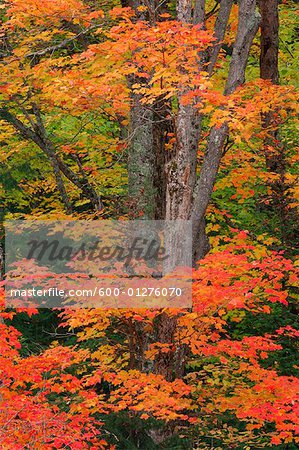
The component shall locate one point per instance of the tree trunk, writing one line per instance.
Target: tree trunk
(187, 197)
(220, 29)
(269, 71)
(269, 40)
(141, 161)
(275, 152)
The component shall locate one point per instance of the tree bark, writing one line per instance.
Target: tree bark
(269, 40)
(248, 23)
(275, 151)
(187, 197)
(269, 71)
(199, 12)
(220, 28)
(181, 168)
(141, 161)
(148, 129)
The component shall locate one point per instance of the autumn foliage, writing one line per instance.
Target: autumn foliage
(223, 373)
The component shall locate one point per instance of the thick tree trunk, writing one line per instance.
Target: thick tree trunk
(165, 362)
(181, 168)
(141, 162)
(187, 197)
(148, 129)
(149, 126)
(161, 127)
(180, 182)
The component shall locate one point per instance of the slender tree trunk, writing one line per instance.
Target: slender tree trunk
(220, 29)
(269, 40)
(269, 71)
(275, 151)
(37, 134)
(60, 185)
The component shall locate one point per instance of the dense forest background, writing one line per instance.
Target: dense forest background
(156, 110)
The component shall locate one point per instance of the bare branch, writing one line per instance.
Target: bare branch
(62, 44)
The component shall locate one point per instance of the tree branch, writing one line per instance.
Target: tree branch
(62, 44)
(220, 28)
(248, 22)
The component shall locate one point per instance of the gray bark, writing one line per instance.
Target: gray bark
(220, 28)
(204, 188)
(248, 23)
(148, 128)
(184, 8)
(199, 12)
(141, 161)
(181, 168)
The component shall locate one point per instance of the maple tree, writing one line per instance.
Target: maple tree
(156, 111)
